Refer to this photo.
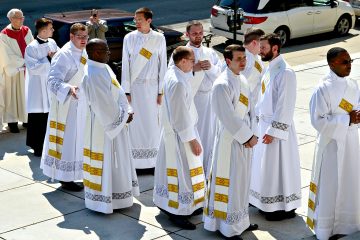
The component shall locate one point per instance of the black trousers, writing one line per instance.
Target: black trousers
(36, 130)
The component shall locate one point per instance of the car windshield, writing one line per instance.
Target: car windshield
(249, 6)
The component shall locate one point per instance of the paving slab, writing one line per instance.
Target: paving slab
(34, 203)
(88, 225)
(171, 236)
(9, 180)
(306, 152)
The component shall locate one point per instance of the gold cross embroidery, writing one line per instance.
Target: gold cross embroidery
(144, 52)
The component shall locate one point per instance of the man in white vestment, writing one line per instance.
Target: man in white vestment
(275, 186)
(13, 40)
(334, 200)
(38, 55)
(254, 66)
(228, 190)
(206, 69)
(179, 175)
(143, 69)
(63, 146)
(109, 175)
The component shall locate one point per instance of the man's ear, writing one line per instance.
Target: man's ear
(228, 61)
(275, 49)
(149, 20)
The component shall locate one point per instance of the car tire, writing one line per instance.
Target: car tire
(284, 35)
(342, 26)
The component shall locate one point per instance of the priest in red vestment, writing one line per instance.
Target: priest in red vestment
(13, 40)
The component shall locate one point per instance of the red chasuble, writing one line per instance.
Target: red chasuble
(19, 36)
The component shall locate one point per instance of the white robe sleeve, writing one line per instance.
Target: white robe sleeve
(58, 71)
(34, 65)
(180, 117)
(162, 65)
(332, 126)
(285, 88)
(10, 60)
(215, 68)
(125, 66)
(110, 114)
(224, 109)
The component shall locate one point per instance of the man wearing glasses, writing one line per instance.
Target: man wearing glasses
(334, 201)
(143, 70)
(63, 148)
(13, 40)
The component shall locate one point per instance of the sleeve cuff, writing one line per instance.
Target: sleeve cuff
(243, 134)
(188, 134)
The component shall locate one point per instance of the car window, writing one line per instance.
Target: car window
(61, 33)
(298, 3)
(274, 6)
(249, 6)
(321, 2)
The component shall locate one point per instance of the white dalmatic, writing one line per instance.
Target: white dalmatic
(253, 73)
(63, 146)
(334, 203)
(201, 86)
(275, 177)
(109, 175)
(12, 74)
(143, 69)
(37, 73)
(179, 176)
(229, 180)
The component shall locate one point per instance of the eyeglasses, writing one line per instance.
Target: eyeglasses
(16, 17)
(345, 62)
(82, 37)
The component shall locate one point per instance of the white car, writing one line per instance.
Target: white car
(356, 5)
(288, 18)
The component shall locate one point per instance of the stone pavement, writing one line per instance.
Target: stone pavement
(34, 208)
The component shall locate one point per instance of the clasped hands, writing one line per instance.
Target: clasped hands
(354, 117)
(202, 65)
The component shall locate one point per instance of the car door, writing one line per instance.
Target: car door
(301, 17)
(325, 16)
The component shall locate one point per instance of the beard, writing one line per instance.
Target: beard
(267, 57)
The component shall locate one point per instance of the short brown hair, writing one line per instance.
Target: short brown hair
(273, 39)
(77, 27)
(193, 23)
(229, 50)
(42, 23)
(180, 53)
(253, 34)
(146, 11)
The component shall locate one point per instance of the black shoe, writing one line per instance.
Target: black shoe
(262, 212)
(197, 212)
(236, 237)
(25, 125)
(72, 186)
(252, 227)
(337, 236)
(13, 127)
(37, 153)
(279, 215)
(183, 222)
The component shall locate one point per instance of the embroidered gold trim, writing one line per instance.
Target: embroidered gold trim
(310, 223)
(93, 155)
(346, 105)
(199, 200)
(258, 66)
(146, 53)
(173, 188)
(54, 154)
(221, 198)
(172, 172)
(92, 170)
(263, 88)
(243, 99)
(55, 139)
(91, 185)
(220, 214)
(173, 204)
(83, 60)
(222, 182)
(115, 83)
(198, 186)
(313, 187)
(311, 205)
(196, 171)
(58, 126)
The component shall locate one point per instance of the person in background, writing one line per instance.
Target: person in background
(38, 55)
(13, 40)
(96, 27)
